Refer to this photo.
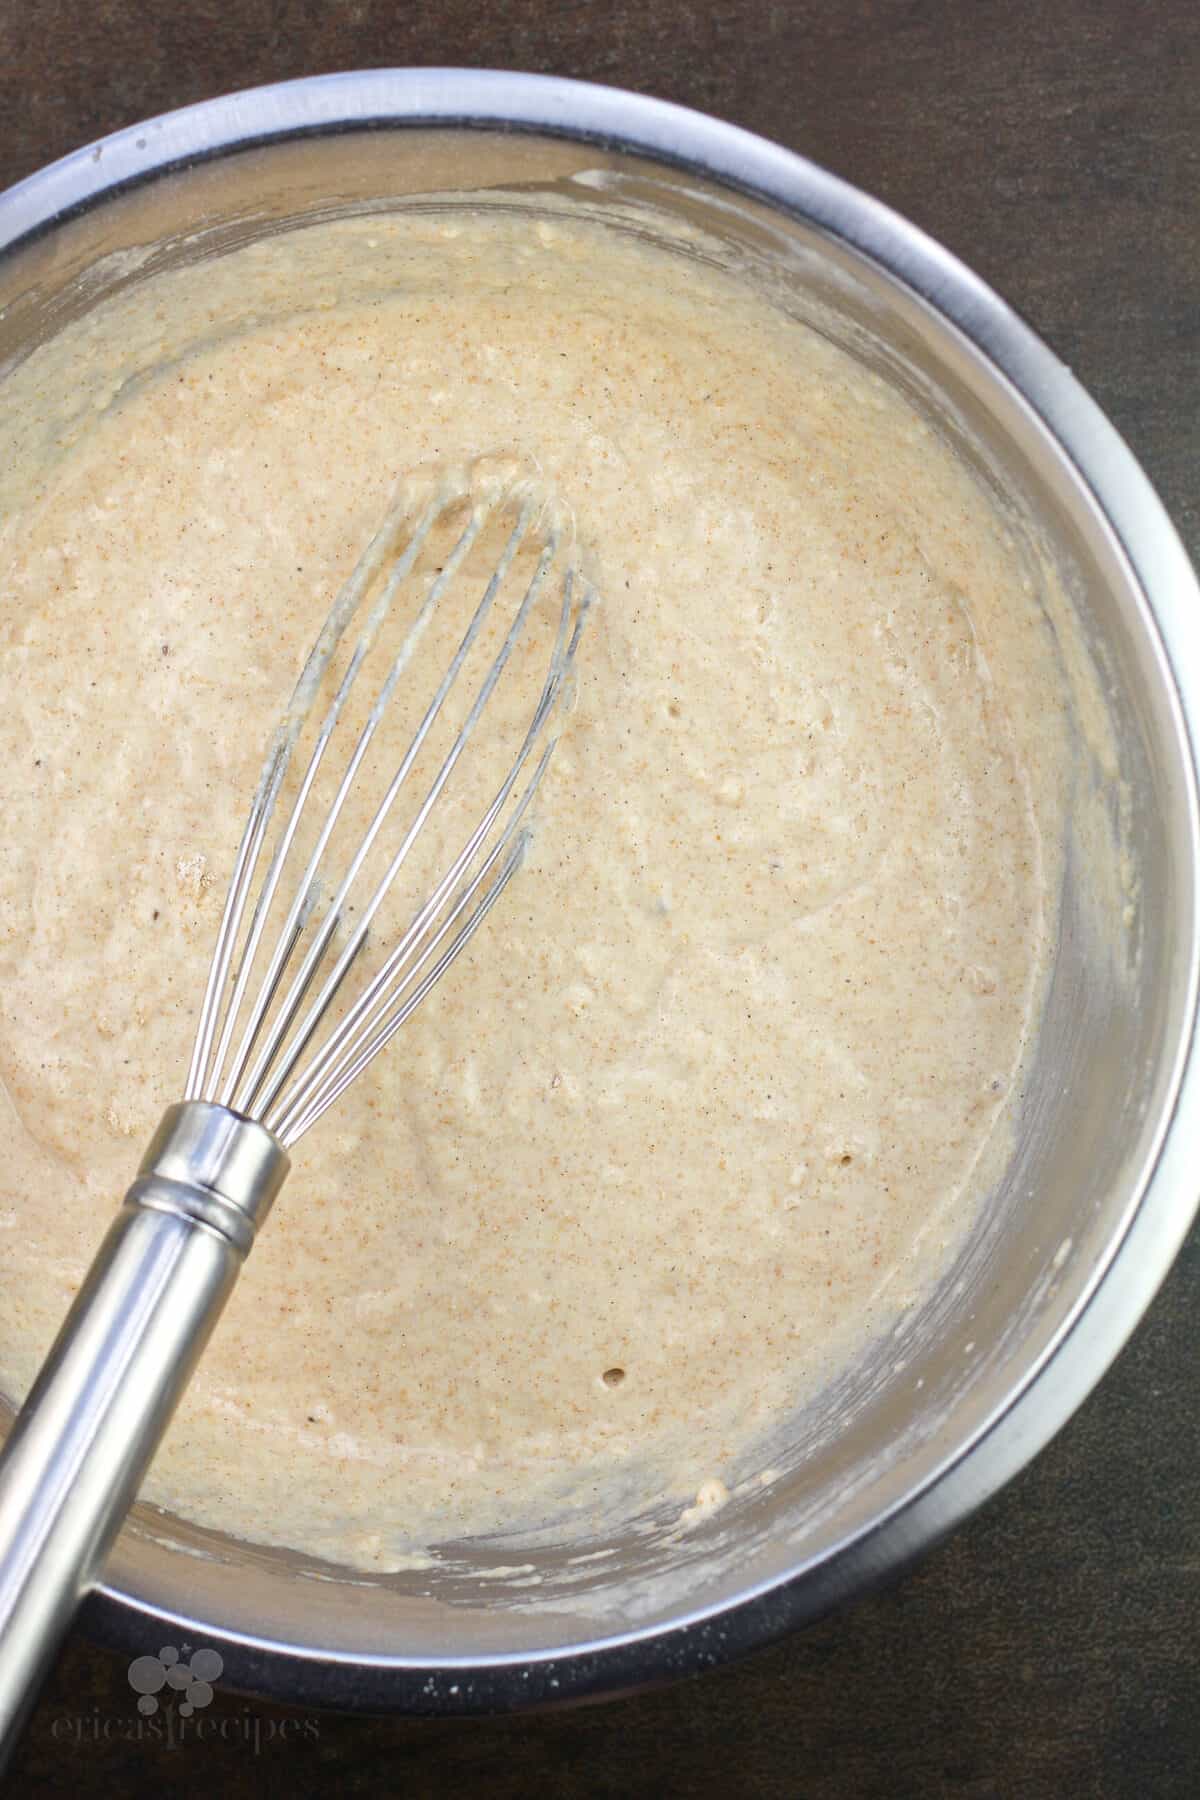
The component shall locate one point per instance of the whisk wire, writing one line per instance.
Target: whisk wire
(263, 1080)
(390, 982)
(302, 901)
(298, 1119)
(275, 769)
(290, 934)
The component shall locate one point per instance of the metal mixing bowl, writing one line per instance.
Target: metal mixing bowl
(1102, 1187)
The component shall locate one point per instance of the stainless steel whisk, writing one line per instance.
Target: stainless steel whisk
(279, 1038)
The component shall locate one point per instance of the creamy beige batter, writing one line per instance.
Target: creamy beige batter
(731, 1067)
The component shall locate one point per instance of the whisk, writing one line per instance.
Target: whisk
(300, 995)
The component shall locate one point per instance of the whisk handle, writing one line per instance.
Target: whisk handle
(82, 1441)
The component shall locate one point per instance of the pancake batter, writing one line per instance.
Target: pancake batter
(622, 1193)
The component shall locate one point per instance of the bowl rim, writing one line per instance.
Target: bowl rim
(1157, 564)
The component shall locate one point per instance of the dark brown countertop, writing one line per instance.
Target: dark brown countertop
(1052, 1646)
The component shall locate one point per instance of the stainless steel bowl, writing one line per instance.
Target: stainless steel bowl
(1102, 1187)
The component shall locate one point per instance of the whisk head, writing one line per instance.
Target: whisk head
(417, 735)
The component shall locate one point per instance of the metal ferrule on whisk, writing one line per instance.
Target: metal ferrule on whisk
(208, 1165)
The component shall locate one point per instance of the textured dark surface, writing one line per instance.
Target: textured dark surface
(1053, 1645)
